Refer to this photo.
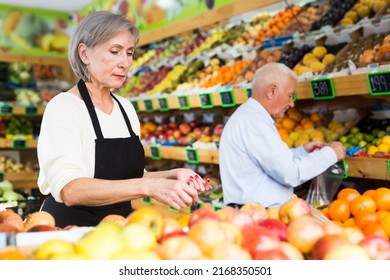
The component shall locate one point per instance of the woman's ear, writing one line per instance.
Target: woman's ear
(82, 49)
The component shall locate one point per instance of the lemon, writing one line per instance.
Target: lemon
(386, 139)
(53, 247)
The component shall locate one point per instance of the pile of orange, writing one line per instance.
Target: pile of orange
(370, 211)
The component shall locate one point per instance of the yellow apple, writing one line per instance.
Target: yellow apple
(150, 218)
(137, 237)
(179, 247)
(53, 247)
(347, 252)
(229, 251)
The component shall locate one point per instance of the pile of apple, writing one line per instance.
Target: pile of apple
(291, 231)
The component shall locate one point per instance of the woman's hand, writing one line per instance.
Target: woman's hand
(193, 179)
(314, 145)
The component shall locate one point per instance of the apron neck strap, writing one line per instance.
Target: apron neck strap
(132, 134)
(91, 110)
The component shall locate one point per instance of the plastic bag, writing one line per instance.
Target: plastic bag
(323, 187)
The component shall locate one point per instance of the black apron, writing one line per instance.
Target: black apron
(115, 159)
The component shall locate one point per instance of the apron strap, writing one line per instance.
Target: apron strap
(92, 113)
(132, 134)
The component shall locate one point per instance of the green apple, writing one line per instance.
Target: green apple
(137, 237)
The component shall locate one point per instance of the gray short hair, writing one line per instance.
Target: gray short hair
(273, 72)
(96, 28)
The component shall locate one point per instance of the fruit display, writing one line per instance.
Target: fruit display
(368, 212)
(295, 232)
(362, 9)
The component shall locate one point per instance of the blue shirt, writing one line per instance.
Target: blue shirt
(257, 166)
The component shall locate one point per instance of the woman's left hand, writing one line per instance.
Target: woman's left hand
(193, 179)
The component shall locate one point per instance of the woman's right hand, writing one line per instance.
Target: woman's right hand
(174, 193)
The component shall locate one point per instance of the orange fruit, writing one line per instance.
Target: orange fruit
(381, 214)
(325, 212)
(288, 124)
(12, 254)
(376, 229)
(183, 220)
(339, 210)
(348, 194)
(369, 193)
(385, 223)
(350, 222)
(315, 117)
(362, 204)
(382, 199)
(363, 218)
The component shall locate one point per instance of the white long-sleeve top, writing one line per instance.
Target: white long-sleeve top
(66, 144)
(257, 166)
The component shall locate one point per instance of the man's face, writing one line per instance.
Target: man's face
(283, 99)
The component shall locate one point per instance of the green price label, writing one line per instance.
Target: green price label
(147, 200)
(31, 110)
(217, 207)
(148, 105)
(1, 176)
(18, 144)
(173, 209)
(322, 89)
(379, 83)
(227, 98)
(345, 169)
(206, 100)
(155, 152)
(6, 109)
(184, 103)
(163, 103)
(135, 105)
(249, 92)
(192, 155)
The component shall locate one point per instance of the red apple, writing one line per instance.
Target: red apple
(39, 218)
(273, 213)
(179, 248)
(257, 238)
(170, 225)
(11, 218)
(235, 216)
(39, 228)
(327, 243)
(229, 251)
(377, 247)
(273, 254)
(185, 128)
(303, 232)
(115, 218)
(277, 227)
(172, 234)
(256, 211)
(233, 233)
(294, 208)
(197, 132)
(218, 129)
(347, 252)
(202, 213)
(177, 134)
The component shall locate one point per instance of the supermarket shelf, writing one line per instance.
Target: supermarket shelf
(28, 110)
(10, 144)
(343, 86)
(36, 59)
(26, 181)
(363, 167)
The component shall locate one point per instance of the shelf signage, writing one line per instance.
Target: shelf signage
(184, 103)
(147, 200)
(173, 209)
(135, 105)
(194, 207)
(379, 83)
(1, 176)
(6, 109)
(19, 144)
(163, 103)
(31, 110)
(227, 98)
(322, 89)
(148, 105)
(345, 168)
(192, 155)
(155, 152)
(206, 100)
(248, 92)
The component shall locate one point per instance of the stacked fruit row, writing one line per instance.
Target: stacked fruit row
(291, 231)
(369, 212)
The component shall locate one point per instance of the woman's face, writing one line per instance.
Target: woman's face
(110, 61)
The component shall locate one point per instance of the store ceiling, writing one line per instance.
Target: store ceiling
(57, 5)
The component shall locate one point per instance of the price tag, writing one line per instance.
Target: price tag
(31, 110)
(322, 88)
(249, 92)
(194, 207)
(217, 207)
(135, 105)
(148, 105)
(1, 176)
(163, 103)
(379, 83)
(345, 169)
(147, 200)
(294, 97)
(6, 109)
(173, 209)
(184, 103)
(19, 144)
(192, 155)
(155, 152)
(227, 98)
(206, 100)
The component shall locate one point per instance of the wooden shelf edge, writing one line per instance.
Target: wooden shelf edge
(36, 59)
(8, 144)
